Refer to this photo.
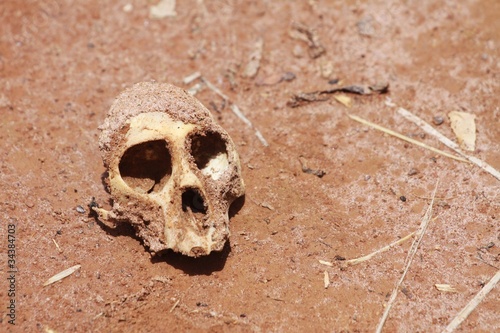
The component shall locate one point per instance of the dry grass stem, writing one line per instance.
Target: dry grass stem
(61, 275)
(175, 305)
(196, 88)
(190, 78)
(57, 246)
(411, 253)
(352, 262)
(326, 279)
(239, 114)
(326, 263)
(259, 136)
(236, 110)
(466, 311)
(405, 138)
(445, 288)
(447, 142)
(214, 88)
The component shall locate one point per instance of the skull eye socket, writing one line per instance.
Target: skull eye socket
(147, 166)
(210, 154)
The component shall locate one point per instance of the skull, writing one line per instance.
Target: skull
(173, 172)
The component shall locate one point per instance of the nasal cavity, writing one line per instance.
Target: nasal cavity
(193, 201)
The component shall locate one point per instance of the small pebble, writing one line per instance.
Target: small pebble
(402, 198)
(443, 204)
(365, 27)
(128, 8)
(412, 172)
(80, 209)
(333, 81)
(298, 51)
(437, 120)
(289, 76)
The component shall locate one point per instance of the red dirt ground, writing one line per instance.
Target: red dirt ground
(63, 62)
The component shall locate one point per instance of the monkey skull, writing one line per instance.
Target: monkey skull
(173, 172)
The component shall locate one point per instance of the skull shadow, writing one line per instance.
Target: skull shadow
(204, 265)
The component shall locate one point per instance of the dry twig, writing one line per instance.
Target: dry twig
(57, 246)
(236, 110)
(356, 261)
(447, 142)
(190, 78)
(413, 250)
(466, 311)
(302, 98)
(175, 305)
(405, 138)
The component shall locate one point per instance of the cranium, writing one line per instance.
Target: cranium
(173, 172)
